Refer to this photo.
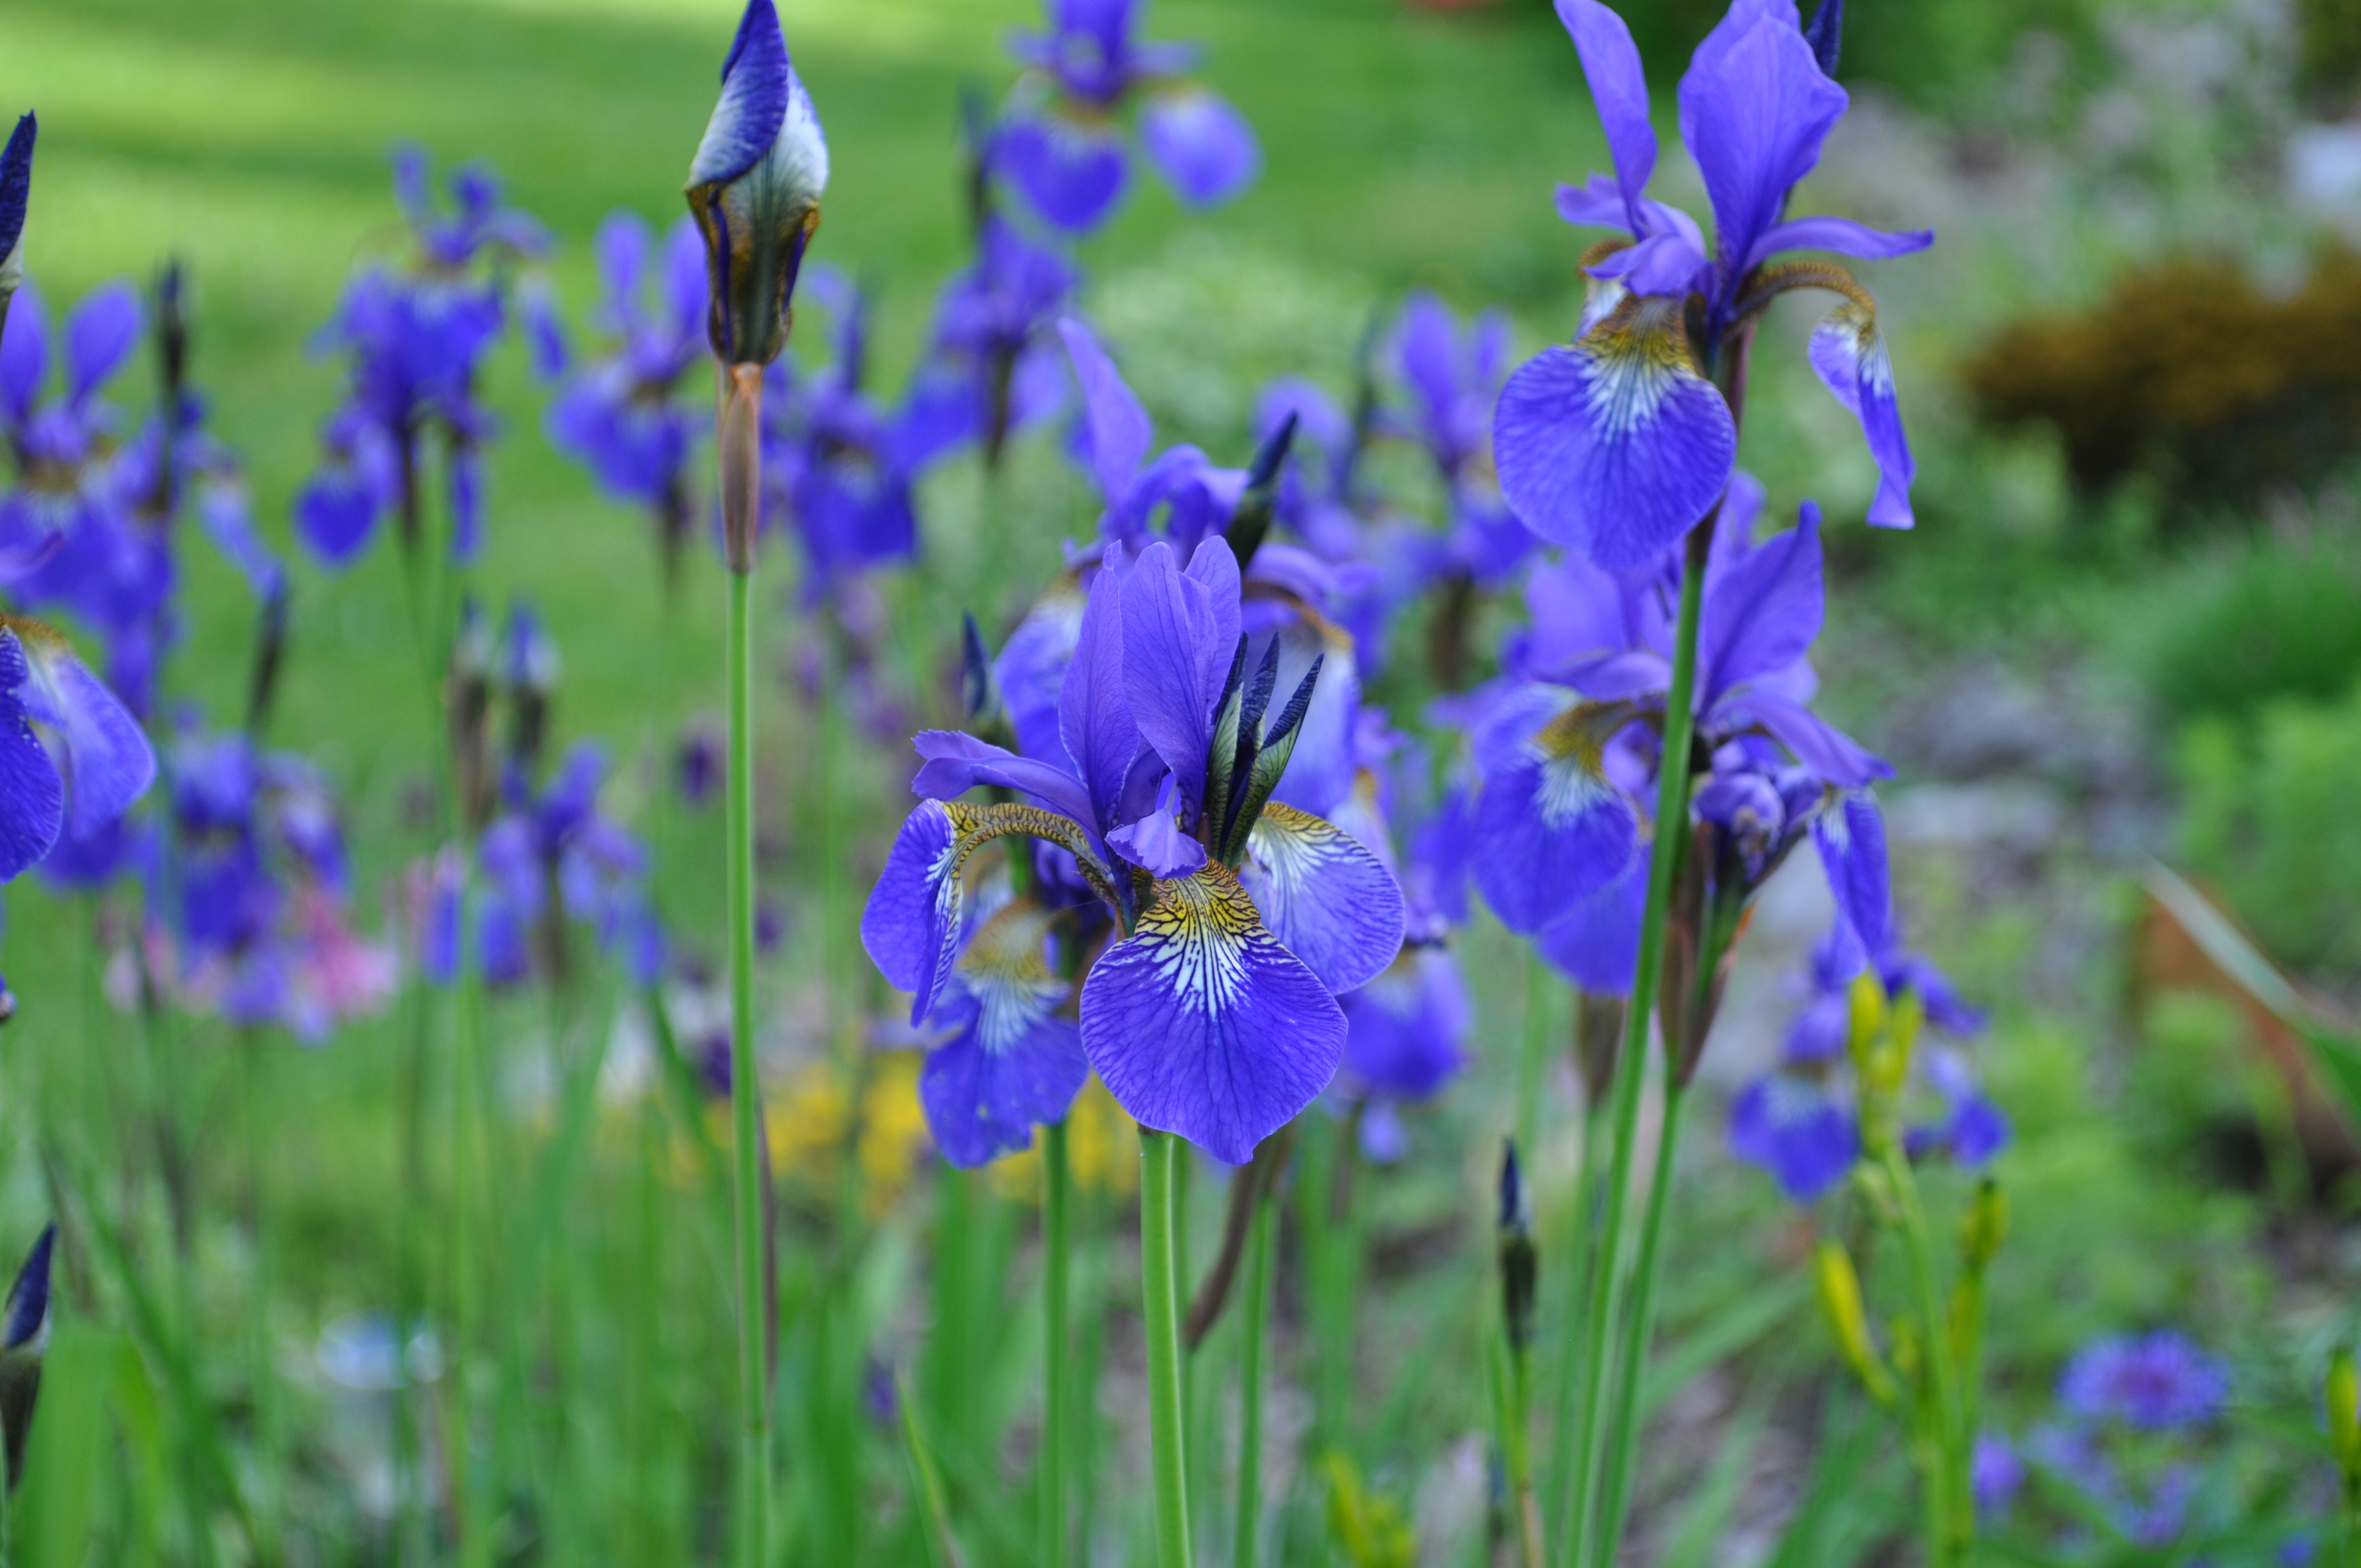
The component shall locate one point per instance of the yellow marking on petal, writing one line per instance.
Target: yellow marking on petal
(1006, 969)
(1199, 926)
(1638, 353)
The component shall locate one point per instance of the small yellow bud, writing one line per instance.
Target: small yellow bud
(1839, 1289)
(1985, 1225)
(2344, 1412)
(1868, 1019)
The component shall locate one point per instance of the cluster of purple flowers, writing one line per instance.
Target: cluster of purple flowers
(2128, 1435)
(414, 335)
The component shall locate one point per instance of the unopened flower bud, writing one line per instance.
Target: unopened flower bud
(1984, 1226)
(15, 188)
(2344, 1394)
(1520, 1267)
(1840, 1291)
(24, 1337)
(755, 188)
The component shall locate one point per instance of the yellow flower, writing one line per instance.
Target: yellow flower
(1101, 1151)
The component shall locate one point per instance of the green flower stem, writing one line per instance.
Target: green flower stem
(467, 1145)
(1579, 1262)
(270, 1482)
(1160, 1307)
(1261, 1244)
(741, 460)
(1625, 1430)
(1057, 1202)
(1950, 1509)
(1602, 1310)
(1532, 1061)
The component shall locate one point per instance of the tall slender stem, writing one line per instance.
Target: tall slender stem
(1056, 1202)
(741, 455)
(269, 1483)
(1602, 1310)
(1581, 1259)
(1261, 1245)
(1160, 1307)
(1534, 1057)
(1950, 1520)
(1624, 1431)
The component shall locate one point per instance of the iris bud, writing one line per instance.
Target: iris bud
(754, 189)
(15, 186)
(1840, 1291)
(2344, 1396)
(1519, 1268)
(24, 1336)
(1984, 1226)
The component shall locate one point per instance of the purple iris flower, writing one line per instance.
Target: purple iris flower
(552, 857)
(2153, 1382)
(1215, 1017)
(1995, 1475)
(1800, 1122)
(251, 890)
(1453, 380)
(1617, 444)
(1566, 744)
(1011, 1058)
(623, 415)
(837, 466)
(1061, 142)
(415, 338)
(992, 365)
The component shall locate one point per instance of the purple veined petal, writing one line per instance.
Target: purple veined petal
(1322, 769)
(1614, 446)
(109, 763)
(1155, 843)
(1201, 145)
(24, 353)
(1406, 1031)
(1660, 264)
(1328, 900)
(1610, 64)
(1843, 235)
(1168, 626)
(1851, 836)
(1215, 568)
(957, 763)
(1202, 1024)
(1596, 942)
(1119, 428)
(1094, 720)
(911, 925)
(1014, 1063)
(1550, 828)
(1849, 357)
(756, 81)
(1835, 757)
(1753, 110)
(1797, 1131)
(1760, 615)
(99, 331)
(32, 796)
(1032, 669)
(1072, 173)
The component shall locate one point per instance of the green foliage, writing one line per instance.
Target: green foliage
(2232, 629)
(2188, 371)
(2328, 39)
(2267, 815)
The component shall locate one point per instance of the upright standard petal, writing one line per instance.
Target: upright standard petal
(1119, 428)
(1174, 664)
(1614, 446)
(1094, 721)
(1073, 171)
(1849, 357)
(101, 329)
(1202, 1024)
(1323, 895)
(1013, 1063)
(1760, 615)
(1202, 145)
(1754, 109)
(957, 763)
(753, 103)
(1550, 828)
(1610, 64)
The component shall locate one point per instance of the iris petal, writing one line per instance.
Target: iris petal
(1325, 895)
(1610, 64)
(1014, 1063)
(1201, 144)
(32, 796)
(1614, 446)
(107, 756)
(1794, 1130)
(1202, 1024)
(754, 101)
(1850, 359)
(1550, 828)
(1596, 943)
(1174, 661)
(1071, 172)
(1119, 428)
(1754, 110)
(1407, 1029)
(1851, 836)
